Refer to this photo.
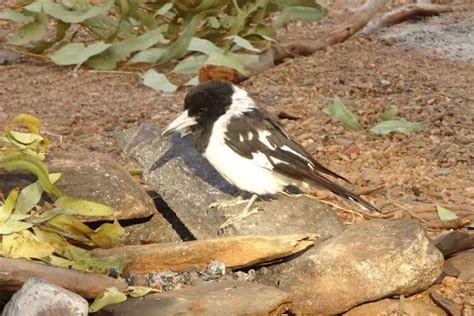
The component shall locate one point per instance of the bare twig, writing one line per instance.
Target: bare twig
(410, 11)
(235, 252)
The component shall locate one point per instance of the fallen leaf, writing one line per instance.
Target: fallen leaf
(6, 208)
(13, 226)
(107, 235)
(445, 214)
(139, 291)
(342, 113)
(75, 206)
(110, 296)
(401, 126)
(158, 81)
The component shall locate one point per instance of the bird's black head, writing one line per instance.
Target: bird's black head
(203, 105)
(208, 101)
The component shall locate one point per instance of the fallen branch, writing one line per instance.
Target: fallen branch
(410, 11)
(15, 272)
(234, 252)
(449, 224)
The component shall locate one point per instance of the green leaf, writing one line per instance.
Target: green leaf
(31, 194)
(179, 48)
(110, 296)
(13, 15)
(119, 51)
(6, 208)
(342, 113)
(242, 42)
(390, 114)
(75, 206)
(33, 31)
(77, 53)
(445, 214)
(69, 15)
(158, 81)
(29, 197)
(18, 161)
(25, 138)
(300, 13)
(229, 61)
(13, 226)
(203, 46)
(150, 55)
(401, 126)
(194, 81)
(139, 291)
(190, 65)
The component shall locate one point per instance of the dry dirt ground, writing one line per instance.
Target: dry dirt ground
(80, 111)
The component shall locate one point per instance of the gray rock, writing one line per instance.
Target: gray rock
(222, 298)
(7, 57)
(369, 261)
(189, 184)
(37, 297)
(98, 178)
(396, 307)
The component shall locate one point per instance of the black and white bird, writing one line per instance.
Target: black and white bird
(248, 146)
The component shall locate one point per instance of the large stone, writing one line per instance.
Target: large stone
(221, 298)
(38, 298)
(396, 307)
(463, 264)
(369, 261)
(98, 178)
(189, 184)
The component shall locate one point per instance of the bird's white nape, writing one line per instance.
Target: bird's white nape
(241, 102)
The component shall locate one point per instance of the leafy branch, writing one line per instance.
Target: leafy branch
(110, 34)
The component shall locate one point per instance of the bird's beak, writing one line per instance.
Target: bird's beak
(180, 124)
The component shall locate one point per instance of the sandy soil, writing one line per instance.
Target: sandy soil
(80, 110)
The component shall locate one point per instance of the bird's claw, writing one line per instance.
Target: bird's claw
(227, 203)
(239, 217)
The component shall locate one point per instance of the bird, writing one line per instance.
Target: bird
(249, 147)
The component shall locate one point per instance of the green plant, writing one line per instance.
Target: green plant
(33, 227)
(106, 34)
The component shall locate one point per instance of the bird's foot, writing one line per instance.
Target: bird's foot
(242, 215)
(248, 210)
(228, 203)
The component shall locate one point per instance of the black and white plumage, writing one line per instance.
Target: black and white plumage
(248, 146)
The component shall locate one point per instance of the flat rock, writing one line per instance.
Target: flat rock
(367, 262)
(221, 298)
(463, 264)
(189, 184)
(396, 307)
(98, 178)
(37, 298)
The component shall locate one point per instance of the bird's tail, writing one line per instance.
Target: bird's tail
(344, 193)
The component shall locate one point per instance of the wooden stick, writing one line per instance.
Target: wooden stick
(410, 11)
(234, 252)
(15, 272)
(450, 224)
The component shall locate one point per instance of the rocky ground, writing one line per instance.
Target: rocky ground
(424, 68)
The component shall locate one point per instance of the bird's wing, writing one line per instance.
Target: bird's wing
(258, 133)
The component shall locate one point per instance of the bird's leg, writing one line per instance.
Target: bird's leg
(244, 214)
(228, 203)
